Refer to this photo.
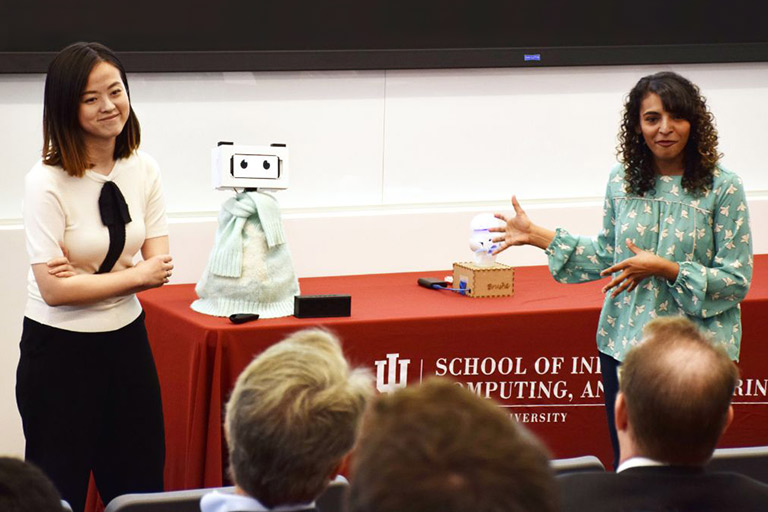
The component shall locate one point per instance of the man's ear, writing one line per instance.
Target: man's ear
(340, 468)
(620, 412)
(728, 419)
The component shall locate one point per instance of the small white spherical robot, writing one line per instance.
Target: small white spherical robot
(481, 239)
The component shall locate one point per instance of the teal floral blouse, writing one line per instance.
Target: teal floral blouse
(707, 235)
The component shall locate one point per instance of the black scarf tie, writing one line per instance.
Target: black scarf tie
(114, 215)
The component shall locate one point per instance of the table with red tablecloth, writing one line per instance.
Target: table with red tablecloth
(534, 352)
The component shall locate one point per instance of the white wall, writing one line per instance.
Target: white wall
(387, 168)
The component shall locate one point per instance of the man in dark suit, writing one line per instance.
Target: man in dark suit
(439, 447)
(291, 420)
(673, 405)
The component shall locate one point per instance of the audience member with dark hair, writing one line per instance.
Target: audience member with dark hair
(291, 420)
(673, 405)
(24, 488)
(441, 448)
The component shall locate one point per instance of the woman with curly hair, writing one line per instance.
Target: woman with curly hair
(675, 237)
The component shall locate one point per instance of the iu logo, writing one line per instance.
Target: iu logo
(392, 381)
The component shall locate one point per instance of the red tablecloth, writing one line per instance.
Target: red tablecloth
(535, 352)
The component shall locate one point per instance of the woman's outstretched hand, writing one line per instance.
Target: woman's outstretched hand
(517, 229)
(633, 270)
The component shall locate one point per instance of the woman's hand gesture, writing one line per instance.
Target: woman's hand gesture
(517, 230)
(633, 270)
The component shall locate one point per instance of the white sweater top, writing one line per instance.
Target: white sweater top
(63, 210)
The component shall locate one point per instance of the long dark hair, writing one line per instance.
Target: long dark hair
(63, 141)
(682, 98)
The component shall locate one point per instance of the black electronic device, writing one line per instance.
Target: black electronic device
(433, 283)
(241, 318)
(322, 306)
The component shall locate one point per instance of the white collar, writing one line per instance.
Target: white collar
(224, 502)
(638, 462)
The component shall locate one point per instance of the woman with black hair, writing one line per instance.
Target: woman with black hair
(675, 238)
(87, 388)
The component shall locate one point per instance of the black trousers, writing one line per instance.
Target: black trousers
(609, 370)
(90, 402)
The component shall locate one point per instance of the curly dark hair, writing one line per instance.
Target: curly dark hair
(682, 98)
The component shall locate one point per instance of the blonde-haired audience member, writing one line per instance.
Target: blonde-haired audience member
(438, 447)
(292, 418)
(674, 403)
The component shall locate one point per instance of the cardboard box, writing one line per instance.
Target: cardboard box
(494, 281)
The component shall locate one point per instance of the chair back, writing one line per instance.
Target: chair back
(577, 465)
(334, 497)
(751, 461)
(332, 500)
(170, 501)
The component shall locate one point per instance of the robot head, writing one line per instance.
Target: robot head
(481, 239)
(249, 167)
